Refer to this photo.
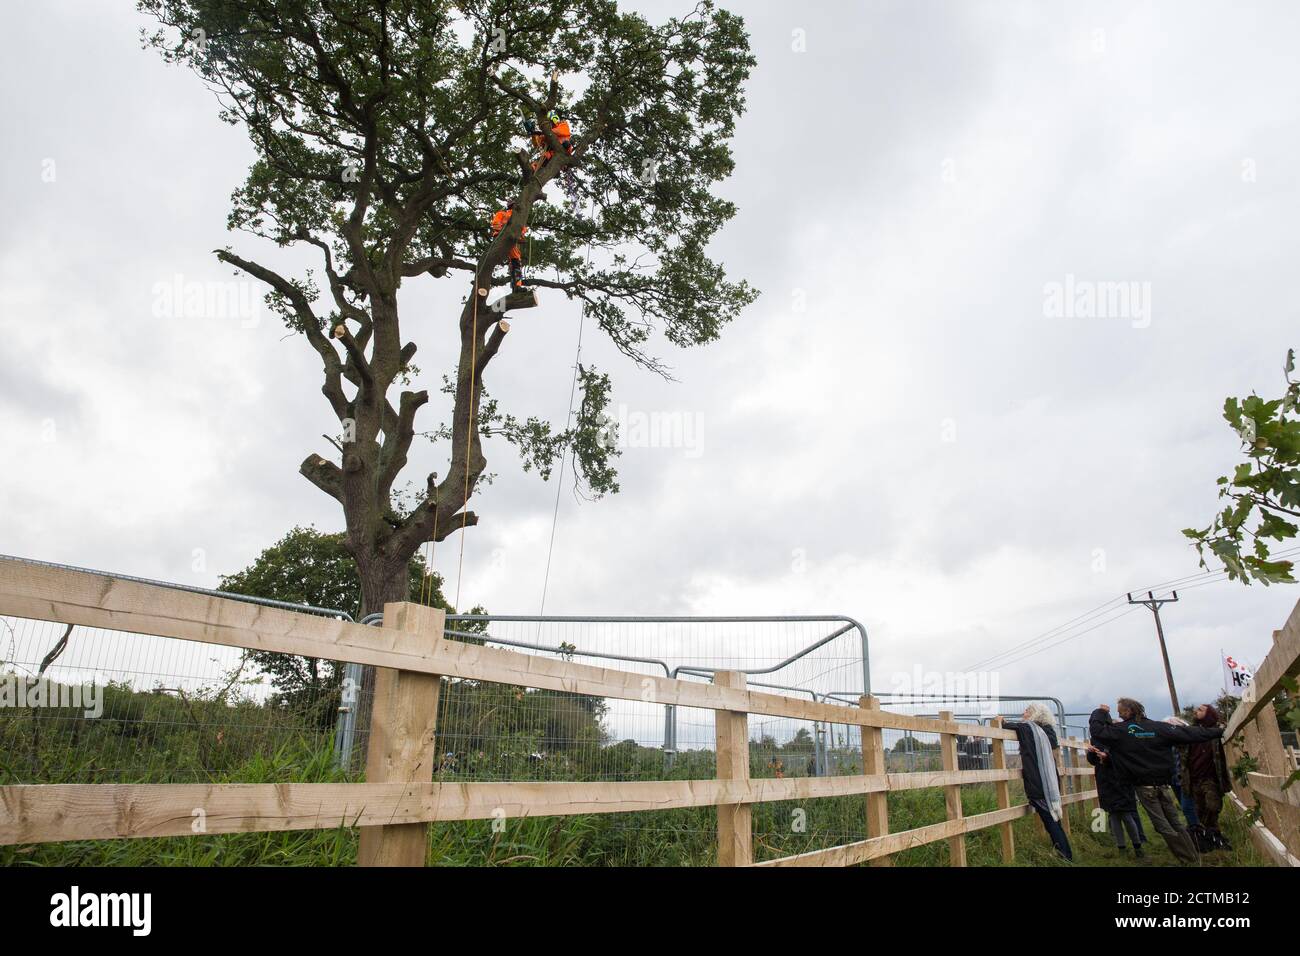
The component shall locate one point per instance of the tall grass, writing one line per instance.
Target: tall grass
(153, 738)
(683, 837)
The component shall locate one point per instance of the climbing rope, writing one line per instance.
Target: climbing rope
(573, 391)
(559, 482)
(573, 388)
(430, 549)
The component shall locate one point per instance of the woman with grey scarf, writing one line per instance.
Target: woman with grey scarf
(1036, 734)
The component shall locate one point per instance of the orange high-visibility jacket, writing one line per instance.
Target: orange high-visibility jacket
(501, 218)
(561, 131)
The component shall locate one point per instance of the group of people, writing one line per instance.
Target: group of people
(1176, 771)
(564, 136)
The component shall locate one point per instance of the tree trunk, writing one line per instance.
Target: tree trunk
(379, 586)
(381, 583)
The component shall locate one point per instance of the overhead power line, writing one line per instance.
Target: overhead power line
(1123, 612)
(1063, 633)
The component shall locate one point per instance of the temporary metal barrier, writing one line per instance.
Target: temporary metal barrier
(347, 727)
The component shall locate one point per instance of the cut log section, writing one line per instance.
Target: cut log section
(523, 299)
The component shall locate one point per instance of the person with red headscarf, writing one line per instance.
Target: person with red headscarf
(1205, 777)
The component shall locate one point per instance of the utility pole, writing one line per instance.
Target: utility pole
(1154, 603)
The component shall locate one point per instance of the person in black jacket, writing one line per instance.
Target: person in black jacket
(1119, 799)
(1036, 735)
(1142, 752)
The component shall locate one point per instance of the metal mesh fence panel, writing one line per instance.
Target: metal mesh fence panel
(499, 732)
(90, 705)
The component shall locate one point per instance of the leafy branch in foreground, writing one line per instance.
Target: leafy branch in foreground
(1263, 493)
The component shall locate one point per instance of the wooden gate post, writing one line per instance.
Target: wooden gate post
(735, 831)
(1003, 789)
(873, 764)
(403, 719)
(952, 794)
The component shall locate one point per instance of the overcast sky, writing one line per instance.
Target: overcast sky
(901, 429)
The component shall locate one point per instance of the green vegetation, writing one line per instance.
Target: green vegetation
(165, 746)
(160, 736)
(1263, 493)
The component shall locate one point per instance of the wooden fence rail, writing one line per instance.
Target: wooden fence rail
(1253, 730)
(400, 799)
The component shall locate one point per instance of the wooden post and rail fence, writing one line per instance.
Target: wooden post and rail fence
(399, 799)
(1253, 731)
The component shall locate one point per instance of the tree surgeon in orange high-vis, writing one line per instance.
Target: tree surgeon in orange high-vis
(560, 127)
(564, 134)
(499, 222)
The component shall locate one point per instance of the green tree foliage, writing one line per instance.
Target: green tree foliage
(1262, 496)
(307, 566)
(800, 743)
(385, 136)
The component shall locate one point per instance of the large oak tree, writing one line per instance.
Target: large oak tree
(386, 134)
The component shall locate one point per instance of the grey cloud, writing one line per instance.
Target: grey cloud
(823, 428)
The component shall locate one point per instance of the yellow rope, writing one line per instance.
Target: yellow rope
(424, 579)
(430, 550)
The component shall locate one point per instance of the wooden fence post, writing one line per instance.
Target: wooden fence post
(948, 746)
(1003, 789)
(1086, 783)
(873, 763)
(1282, 819)
(1063, 782)
(735, 831)
(403, 719)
